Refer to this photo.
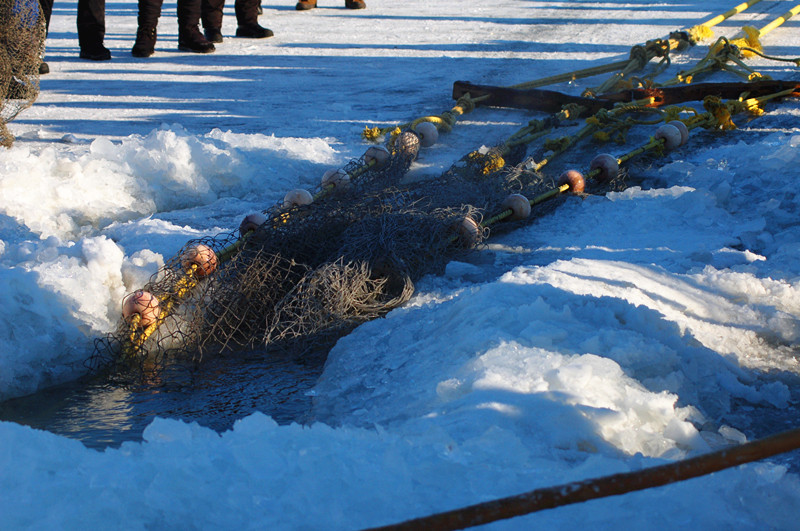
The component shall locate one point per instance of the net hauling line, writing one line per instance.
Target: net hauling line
(428, 126)
(537, 99)
(724, 51)
(592, 489)
(200, 274)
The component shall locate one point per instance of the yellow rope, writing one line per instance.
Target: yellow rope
(750, 40)
(639, 57)
(718, 116)
(703, 31)
(136, 335)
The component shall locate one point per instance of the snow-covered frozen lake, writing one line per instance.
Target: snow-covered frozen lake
(622, 331)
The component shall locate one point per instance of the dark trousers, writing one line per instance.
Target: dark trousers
(188, 13)
(91, 22)
(246, 12)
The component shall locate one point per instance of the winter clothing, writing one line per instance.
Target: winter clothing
(91, 27)
(304, 5)
(246, 18)
(189, 37)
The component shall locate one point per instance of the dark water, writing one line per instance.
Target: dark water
(102, 414)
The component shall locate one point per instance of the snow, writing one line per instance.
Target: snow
(621, 332)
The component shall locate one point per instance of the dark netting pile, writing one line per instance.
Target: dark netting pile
(309, 273)
(22, 34)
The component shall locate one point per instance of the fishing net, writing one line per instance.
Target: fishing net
(310, 273)
(22, 35)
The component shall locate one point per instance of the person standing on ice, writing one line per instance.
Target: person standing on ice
(189, 37)
(303, 5)
(91, 29)
(246, 18)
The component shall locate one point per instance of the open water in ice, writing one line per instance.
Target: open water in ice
(102, 414)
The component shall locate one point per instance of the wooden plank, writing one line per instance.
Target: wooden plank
(552, 101)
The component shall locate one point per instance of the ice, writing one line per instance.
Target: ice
(621, 332)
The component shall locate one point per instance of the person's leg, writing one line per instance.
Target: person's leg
(189, 37)
(47, 12)
(92, 29)
(247, 20)
(149, 12)
(211, 15)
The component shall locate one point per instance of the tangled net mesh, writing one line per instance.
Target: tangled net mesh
(310, 274)
(22, 37)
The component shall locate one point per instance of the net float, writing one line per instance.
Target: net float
(297, 197)
(335, 178)
(407, 144)
(682, 128)
(428, 133)
(468, 231)
(202, 256)
(141, 303)
(671, 136)
(574, 179)
(608, 166)
(379, 154)
(519, 206)
(251, 222)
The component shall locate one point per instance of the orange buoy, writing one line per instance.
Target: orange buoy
(574, 179)
(408, 144)
(201, 255)
(141, 303)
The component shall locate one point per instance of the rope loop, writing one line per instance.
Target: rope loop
(659, 47)
(466, 103)
(639, 56)
(683, 39)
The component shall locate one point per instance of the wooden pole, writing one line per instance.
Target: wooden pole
(580, 491)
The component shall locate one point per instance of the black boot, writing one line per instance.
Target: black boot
(191, 40)
(213, 35)
(96, 53)
(253, 31)
(145, 42)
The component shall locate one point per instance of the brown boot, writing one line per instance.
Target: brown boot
(303, 5)
(354, 4)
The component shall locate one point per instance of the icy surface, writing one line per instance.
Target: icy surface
(618, 333)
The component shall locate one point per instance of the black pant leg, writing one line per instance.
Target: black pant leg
(188, 14)
(149, 12)
(91, 24)
(247, 12)
(47, 11)
(211, 13)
